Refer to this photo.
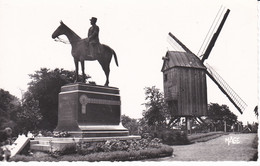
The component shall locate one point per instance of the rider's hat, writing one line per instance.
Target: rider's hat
(93, 19)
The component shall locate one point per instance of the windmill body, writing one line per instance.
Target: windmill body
(185, 88)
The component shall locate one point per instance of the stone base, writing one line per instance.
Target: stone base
(90, 111)
(100, 131)
(51, 144)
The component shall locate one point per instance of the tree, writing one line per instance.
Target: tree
(20, 116)
(256, 111)
(131, 124)
(217, 114)
(9, 105)
(44, 88)
(29, 117)
(156, 113)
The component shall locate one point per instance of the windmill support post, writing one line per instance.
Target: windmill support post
(188, 125)
(225, 126)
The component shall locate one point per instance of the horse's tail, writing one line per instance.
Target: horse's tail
(115, 57)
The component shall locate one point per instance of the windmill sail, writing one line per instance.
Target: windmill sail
(226, 89)
(215, 37)
(179, 43)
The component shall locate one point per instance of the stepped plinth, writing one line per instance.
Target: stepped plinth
(88, 113)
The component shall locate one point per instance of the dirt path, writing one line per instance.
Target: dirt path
(238, 149)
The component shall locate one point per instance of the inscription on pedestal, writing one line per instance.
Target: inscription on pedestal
(83, 101)
(100, 110)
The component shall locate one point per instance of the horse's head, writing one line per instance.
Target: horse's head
(59, 31)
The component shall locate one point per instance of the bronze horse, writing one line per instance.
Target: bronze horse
(80, 51)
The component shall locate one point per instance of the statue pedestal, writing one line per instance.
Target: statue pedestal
(90, 111)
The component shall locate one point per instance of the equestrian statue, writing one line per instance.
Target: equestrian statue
(89, 49)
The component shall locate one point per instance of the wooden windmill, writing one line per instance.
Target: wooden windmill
(185, 87)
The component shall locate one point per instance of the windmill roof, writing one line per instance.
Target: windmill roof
(181, 59)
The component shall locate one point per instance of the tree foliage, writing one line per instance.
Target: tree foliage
(256, 111)
(44, 88)
(220, 113)
(29, 117)
(9, 106)
(20, 116)
(8, 103)
(131, 124)
(156, 113)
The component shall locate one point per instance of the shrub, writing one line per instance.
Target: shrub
(65, 151)
(147, 153)
(171, 137)
(25, 158)
(84, 148)
(61, 134)
(115, 145)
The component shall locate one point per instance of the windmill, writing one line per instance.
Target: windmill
(184, 75)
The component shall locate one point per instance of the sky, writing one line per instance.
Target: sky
(137, 31)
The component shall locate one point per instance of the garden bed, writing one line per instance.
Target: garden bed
(149, 153)
(112, 150)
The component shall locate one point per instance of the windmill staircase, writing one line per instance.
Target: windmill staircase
(226, 89)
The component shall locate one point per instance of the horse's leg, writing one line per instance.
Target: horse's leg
(83, 71)
(76, 70)
(106, 69)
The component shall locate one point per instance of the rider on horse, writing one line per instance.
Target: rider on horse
(80, 49)
(93, 40)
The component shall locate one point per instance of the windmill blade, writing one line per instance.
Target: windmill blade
(180, 43)
(226, 89)
(211, 31)
(215, 37)
(175, 45)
